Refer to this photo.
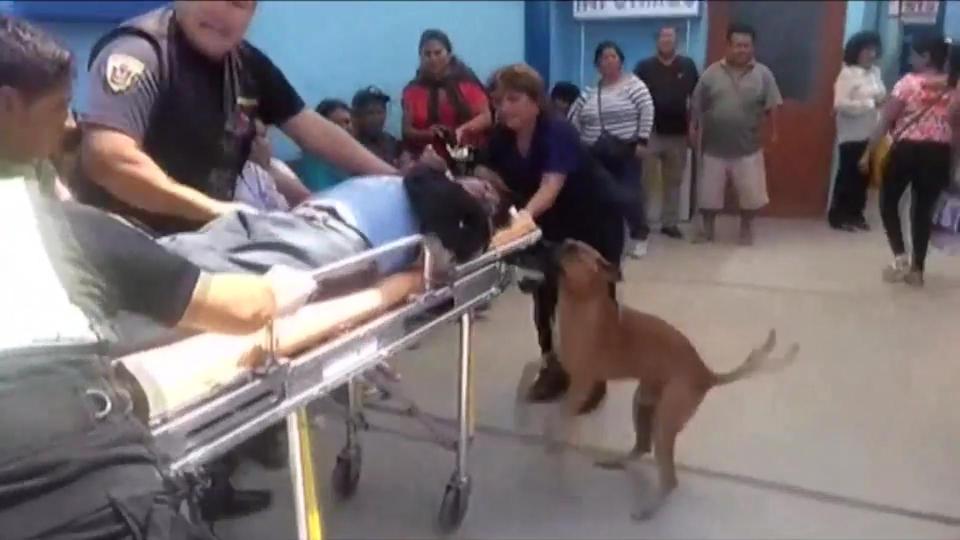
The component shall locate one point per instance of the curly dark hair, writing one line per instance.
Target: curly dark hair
(857, 43)
(602, 48)
(447, 210)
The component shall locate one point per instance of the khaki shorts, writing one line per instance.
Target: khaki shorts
(748, 175)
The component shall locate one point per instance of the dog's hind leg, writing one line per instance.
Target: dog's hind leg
(676, 406)
(644, 405)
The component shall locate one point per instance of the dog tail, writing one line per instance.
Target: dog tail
(759, 361)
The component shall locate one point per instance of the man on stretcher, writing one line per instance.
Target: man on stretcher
(357, 215)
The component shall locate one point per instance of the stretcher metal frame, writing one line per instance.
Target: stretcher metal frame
(255, 401)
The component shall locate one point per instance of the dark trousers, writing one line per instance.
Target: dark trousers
(925, 168)
(74, 461)
(849, 187)
(633, 198)
(622, 185)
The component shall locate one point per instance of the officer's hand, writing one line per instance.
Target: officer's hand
(291, 288)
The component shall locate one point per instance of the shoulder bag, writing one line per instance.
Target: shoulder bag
(608, 148)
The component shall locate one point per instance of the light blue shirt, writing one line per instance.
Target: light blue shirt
(379, 208)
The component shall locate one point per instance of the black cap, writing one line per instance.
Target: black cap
(368, 95)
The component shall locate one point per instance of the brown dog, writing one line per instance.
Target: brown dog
(602, 341)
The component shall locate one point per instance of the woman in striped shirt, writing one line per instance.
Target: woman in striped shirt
(620, 106)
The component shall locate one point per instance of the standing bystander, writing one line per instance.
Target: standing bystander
(858, 94)
(671, 78)
(730, 102)
(369, 119)
(615, 119)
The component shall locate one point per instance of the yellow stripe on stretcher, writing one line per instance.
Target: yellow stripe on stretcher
(311, 501)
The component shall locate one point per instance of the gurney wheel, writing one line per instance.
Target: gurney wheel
(346, 473)
(456, 500)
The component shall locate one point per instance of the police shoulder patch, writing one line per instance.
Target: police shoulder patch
(122, 72)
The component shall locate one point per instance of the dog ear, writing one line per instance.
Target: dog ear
(611, 272)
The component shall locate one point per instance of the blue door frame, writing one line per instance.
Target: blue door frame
(536, 15)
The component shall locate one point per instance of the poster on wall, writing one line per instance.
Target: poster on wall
(915, 11)
(634, 9)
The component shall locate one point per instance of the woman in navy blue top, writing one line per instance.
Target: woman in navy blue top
(554, 179)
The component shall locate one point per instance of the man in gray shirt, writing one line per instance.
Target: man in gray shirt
(730, 103)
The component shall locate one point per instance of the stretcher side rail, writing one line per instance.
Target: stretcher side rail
(227, 393)
(251, 405)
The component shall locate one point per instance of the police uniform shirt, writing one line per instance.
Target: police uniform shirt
(136, 87)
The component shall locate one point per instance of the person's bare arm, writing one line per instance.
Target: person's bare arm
(412, 134)
(478, 124)
(546, 195)
(319, 136)
(772, 103)
(315, 322)
(230, 304)
(891, 110)
(772, 127)
(116, 162)
(520, 226)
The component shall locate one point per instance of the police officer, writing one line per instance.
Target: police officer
(74, 460)
(173, 95)
(173, 99)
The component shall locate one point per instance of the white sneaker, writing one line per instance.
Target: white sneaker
(897, 270)
(637, 249)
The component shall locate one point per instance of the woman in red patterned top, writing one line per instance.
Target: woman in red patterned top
(445, 94)
(921, 122)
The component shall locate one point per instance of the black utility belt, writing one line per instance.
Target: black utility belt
(55, 403)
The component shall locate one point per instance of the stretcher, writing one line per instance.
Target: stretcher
(194, 425)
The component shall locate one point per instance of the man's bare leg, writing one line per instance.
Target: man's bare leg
(746, 227)
(708, 219)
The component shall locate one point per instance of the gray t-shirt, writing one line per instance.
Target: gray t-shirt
(731, 104)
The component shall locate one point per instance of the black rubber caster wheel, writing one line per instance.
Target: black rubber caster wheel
(346, 473)
(453, 508)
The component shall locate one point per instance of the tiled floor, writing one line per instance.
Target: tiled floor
(859, 439)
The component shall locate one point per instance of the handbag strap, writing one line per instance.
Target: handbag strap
(603, 129)
(917, 117)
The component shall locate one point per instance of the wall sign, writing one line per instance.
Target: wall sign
(634, 9)
(915, 11)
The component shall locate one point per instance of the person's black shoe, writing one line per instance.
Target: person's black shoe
(672, 232)
(551, 383)
(843, 226)
(596, 398)
(226, 503)
(861, 224)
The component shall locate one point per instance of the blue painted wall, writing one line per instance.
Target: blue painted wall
(856, 10)
(331, 49)
(637, 38)
(951, 22)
